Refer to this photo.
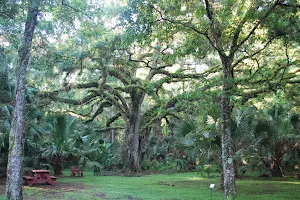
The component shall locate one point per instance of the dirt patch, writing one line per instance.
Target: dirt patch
(99, 195)
(44, 195)
(63, 187)
(51, 191)
(129, 197)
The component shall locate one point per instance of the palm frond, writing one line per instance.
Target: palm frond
(187, 141)
(245, 121)
(185, 127)
(265, 128)
(5, 112)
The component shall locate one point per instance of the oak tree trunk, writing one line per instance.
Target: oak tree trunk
(15, 157)
(132, 135)
(227, 147)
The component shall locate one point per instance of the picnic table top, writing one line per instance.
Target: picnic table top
(40, 171)
(74, 169)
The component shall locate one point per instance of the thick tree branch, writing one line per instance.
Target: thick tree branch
(115, 102)
(292, 81)
(114, 118)
(178, 75)
(236, 36)
(138, 60)
(118, 95)
(70, 87)
(122, 77)
(82, 101)
(170, 109)
(248, 96)
(215, 30)
(289, 5)
(99, 110)
(109, 129)
(271, 87)
(79, 115)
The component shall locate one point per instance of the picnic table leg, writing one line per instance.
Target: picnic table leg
(31, 182)
(49, 180)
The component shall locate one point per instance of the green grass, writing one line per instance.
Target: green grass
(187, 186)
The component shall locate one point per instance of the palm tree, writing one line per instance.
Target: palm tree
(59, 148)
(242, 134)
(86, 150)
(200, 141)
(270, 138)
(5, 114)
(66, 144)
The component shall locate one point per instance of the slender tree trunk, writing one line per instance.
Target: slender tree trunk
(227, 147)
(15, 157)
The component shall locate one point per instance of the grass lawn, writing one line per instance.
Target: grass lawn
(187, 186)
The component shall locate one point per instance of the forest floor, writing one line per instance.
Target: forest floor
(178, 186)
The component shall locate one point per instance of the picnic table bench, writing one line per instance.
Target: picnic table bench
(39, 176)
(75, 170)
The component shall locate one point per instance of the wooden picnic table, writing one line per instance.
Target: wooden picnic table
(75, 170)
(39, 176)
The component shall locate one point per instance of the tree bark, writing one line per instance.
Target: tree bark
(227, 148)
(58, 163)
(132, 135)
(15, 157)
(278, 155)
